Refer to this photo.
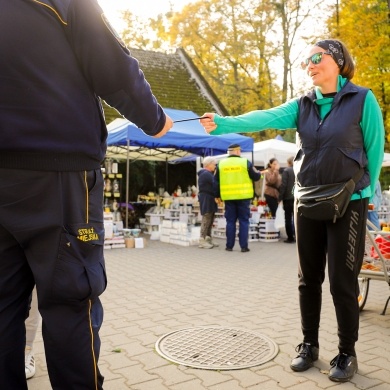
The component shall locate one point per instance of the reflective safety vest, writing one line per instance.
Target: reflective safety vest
(234, 180)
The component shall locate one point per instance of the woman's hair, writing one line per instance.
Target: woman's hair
(340, 55)
(273, 159)
(348, 68)
(209, 160)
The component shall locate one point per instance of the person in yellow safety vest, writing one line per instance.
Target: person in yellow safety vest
(234, 181)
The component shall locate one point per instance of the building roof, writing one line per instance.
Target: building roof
(176, 83)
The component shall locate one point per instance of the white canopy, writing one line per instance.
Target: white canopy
(265, 150)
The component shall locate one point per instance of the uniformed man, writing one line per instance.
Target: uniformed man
(235, 176)
(58, 57)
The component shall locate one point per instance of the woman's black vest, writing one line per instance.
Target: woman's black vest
(331, 150)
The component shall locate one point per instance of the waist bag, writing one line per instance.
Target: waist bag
(326, 202)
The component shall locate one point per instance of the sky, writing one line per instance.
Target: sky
(142, 8)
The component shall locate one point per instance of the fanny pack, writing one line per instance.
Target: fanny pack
(326, 202)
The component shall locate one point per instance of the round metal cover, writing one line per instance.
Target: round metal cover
(216, 348)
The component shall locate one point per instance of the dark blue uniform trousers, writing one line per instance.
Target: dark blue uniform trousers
(237, 210)
(51, 234)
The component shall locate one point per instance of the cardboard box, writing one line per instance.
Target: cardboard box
(130, 242)
(108, 229)
(155, 236)
(166, 223)
(139, 243)
(165, 238)
(155, 220)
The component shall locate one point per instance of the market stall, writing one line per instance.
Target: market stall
(126, 141)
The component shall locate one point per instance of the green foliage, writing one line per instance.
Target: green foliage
(363, 25)
(287, 135)
(384, 178)
(242, 48)
(142, 34)
(227, 40)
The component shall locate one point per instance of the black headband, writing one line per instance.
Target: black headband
(334, 48)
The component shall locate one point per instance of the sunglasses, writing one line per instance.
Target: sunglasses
(315, 59)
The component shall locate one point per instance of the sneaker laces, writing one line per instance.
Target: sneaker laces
(303, 350)
(341, 361)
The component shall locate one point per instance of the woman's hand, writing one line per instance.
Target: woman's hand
(208, 122)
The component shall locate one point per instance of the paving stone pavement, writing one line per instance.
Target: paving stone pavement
(163, 288)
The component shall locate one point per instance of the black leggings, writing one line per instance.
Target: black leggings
(343, 244)
(272, 204)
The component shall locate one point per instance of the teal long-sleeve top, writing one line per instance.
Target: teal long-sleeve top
(285, 117)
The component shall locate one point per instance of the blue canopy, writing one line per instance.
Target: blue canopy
(187, 137)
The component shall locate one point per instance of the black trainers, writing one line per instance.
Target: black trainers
(307, 354)
(245, 249)
(228, 249)
(342, 368)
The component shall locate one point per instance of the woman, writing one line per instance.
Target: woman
(208, 205)
(273, 180)
(340, 130)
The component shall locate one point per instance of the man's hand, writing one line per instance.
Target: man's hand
(168, 125)
(208, 122)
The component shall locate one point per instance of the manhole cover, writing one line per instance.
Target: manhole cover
(216, 348)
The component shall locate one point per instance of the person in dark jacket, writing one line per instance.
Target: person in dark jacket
(207, 201)
(286, 195)
(340, 131)
(58, 59)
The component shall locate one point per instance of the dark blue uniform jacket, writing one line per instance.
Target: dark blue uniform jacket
(58, 57)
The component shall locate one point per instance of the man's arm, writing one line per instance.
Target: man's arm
(110, 70)
(254, 174)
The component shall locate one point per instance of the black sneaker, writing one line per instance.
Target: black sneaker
(228, 249)
(307, 354)
(343, 367)
(245, 249)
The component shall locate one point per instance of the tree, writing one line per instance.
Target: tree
(228, 42)
(144, 33)
(244, 49)
(292, 17)
(363, 25)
